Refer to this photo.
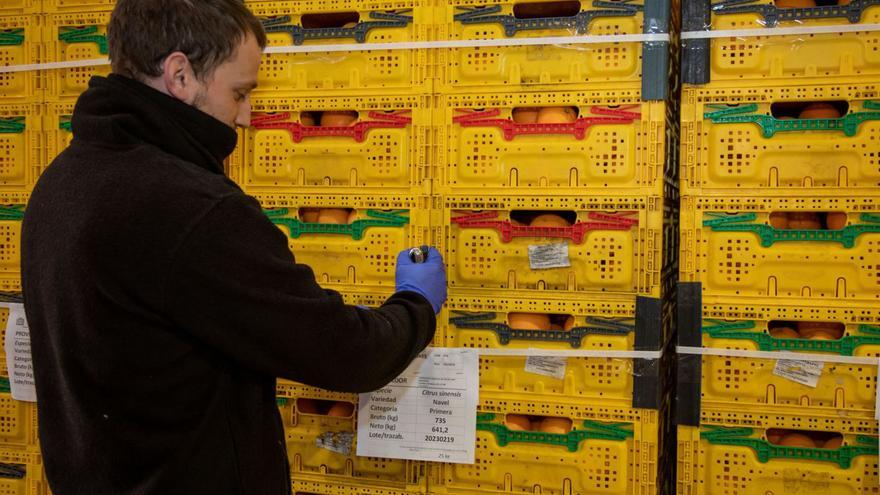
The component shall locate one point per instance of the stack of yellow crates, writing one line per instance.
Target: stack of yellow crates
(780, 248)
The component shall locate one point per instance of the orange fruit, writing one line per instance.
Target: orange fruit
(835, 220)
(822, 335)
(528, 321)
(557, 115)
(525, 115)
(819, 111)
(556, 425)
(804, 220)
(779, 220)
(843, 2)
(549, 220)
(784, 333)
(797, 440)
(556, 327)
(309, 215)
(517, 422)
(569, 323)
(307, 119)
(820, 330)
(794, 4)
(774, 435)
(307, 406)
(333, 215)
(341, 409)
(352, 216)
(338, 118)
(833, 443)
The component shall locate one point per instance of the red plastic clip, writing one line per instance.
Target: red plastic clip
(357, 131)
(577, 128)
(577, 232)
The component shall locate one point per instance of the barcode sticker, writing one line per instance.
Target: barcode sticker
(546, 256)
(547, 366)
(803, 372)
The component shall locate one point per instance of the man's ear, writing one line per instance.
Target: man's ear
(179, 78)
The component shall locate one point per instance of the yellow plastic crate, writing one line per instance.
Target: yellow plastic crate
(20, 41)
(10, 248)
(715, 460)
(313, 22)
(53, 6)
(383, 153)
(312, 487)
(614, 246)
(15, 7)
(70, 37)
(733, 145)
(57, 128)
(610, 65)
(808, 57)
(21, 159)
(729, 246)
(595, 457)
(22, 479)
(322, 448)
(18, 420)
(617, 145)
(361, 254)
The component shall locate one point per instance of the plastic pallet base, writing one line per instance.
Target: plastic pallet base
(733, 146)
(23, 157)
(730, 248)
(384, 153)
(741, 460)
(377, 72)
(20, 42)
(768, 58)
(621, 254)
(616, 145)
(74, 36)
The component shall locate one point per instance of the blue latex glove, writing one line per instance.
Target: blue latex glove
(427, 279)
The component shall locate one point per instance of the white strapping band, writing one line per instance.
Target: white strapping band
(572, 353)
(780, 31)
(798, 356)
(406, 45)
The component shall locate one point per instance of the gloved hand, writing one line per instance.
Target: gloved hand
(427, 279)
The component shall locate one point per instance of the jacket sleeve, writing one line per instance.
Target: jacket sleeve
(235, 286)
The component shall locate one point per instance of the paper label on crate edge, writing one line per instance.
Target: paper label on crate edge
(428, 413)
(799, 371)
(546, 256)
(18, 355)
(336, 441)
(547, 366)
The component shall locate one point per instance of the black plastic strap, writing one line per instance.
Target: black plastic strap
(696, 16)
(655, 54)
(646, 372)
(690, 314)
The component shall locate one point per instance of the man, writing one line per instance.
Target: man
(162, 303)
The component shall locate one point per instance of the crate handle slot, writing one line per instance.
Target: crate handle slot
(770, 235)
(773, 15)
(85, 34)
(574, 337)
(299, 34)
(580, 22)
(357, 131)
(593, 430)
(578, 128)
(765, 450)
(356, 229)
(12, 37)
(770, 126)
(12, 125)
(577, 232)
(845, 346)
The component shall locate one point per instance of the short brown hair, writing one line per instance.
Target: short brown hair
(142, 33)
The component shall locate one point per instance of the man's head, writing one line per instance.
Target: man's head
(205, 53)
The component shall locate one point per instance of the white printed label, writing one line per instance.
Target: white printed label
(18, 355)
(803, 372)
(429, 413)
(339, 442)
(546, 256)
(547, 366)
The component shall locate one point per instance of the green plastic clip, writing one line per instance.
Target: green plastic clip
(12, 37)
(4, 385)
(592, 430)
(769, 235)
(12, 212)
(848, 124)
(574, 337)
(86, 34)
(281, 401)
(765, 450)
(355, 229)
(845, 346)
(64, 123)
(12, 125)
